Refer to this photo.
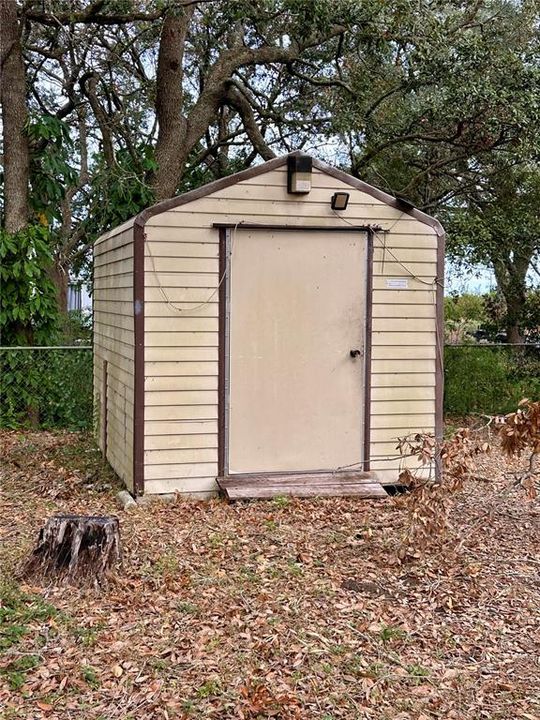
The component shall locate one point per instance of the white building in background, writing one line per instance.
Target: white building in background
(78, 297)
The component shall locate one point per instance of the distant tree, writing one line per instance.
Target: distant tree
(499, 226)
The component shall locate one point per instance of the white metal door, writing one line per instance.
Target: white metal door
(296, 309)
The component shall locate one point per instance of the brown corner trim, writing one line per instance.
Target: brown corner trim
(104, 406)
(138, 327)
(439, 336)
(367, 351)
(222, 313)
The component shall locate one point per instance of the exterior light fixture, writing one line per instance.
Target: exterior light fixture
(299, 174)
(339, 201)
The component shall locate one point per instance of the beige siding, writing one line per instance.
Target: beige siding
(114, 343)
(181, 331)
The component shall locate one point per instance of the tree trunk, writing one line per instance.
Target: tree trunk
(14, 117)
(171, 150)
(77, 549)
(511, 281)
(60, 277)
(515, 307)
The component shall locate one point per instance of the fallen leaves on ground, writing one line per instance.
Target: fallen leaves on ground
(295, 610)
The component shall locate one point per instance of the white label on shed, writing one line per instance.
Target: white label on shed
(397, 283)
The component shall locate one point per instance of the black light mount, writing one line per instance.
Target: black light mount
(339, 201)
(404, 203)
(299, 168)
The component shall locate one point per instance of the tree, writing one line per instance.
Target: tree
(132, 102)
(14, 118)
(445, 89)
(499, 226)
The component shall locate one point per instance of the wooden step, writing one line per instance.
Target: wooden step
(316, 484)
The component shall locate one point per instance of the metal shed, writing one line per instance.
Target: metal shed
(258, 334)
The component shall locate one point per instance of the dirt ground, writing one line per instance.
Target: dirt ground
(281, 609)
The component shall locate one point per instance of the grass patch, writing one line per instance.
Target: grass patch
(18, 610)
(15, 672)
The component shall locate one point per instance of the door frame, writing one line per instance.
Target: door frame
(224, 286)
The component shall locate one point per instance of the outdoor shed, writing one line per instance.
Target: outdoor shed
(281, 325)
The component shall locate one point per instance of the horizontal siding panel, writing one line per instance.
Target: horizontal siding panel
(388, 435)
(182, 279)
(111, 295)
(382, 370)
(181, 412)
(274, 192)
(180, 310)
(181, 264)
(384, 450)
(403, 380)
(104, 304)
(418, 240)
(189, 216)
(176, 369)
(181, 324)
(170, 383)
(398, 352)
(420, 295)
(188, 470)
(181, 397)
(176, 354)
(178, 246)
(389, 268)
(124, 229)
(123, 252)
(387, 310)
(113, 319)
(412, 325)
(117, 267)
(417, 422)
(200, 487)
(403, 338)
(180, 428)
(156, 234)
(108, 284)
(109, 345)
(402, 407)
(287, 207)
(391, 252)
(186, 339)
(114, 333)
(190, 296)
(407, 392)
(180, 456)
(180, 442)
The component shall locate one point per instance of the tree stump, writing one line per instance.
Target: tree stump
(76, 549)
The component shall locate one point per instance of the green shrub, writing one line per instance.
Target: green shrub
(488, 379)
(46, 388)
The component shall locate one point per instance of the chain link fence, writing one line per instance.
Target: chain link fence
(51, 387)
(46, 387)
(490, 378)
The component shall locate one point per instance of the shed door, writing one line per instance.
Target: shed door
(297, 309)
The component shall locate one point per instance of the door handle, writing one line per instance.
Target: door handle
(355, 353)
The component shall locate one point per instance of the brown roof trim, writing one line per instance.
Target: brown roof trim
(252, 172)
